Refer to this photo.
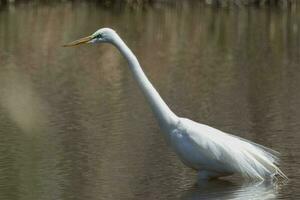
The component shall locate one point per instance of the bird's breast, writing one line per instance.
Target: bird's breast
(187, 151)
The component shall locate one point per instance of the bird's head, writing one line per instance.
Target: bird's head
(103, 35)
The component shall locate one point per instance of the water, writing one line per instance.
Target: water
(74, 125)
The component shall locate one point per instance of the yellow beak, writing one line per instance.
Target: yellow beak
(79, 41)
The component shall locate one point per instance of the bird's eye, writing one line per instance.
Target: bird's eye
(99, 36)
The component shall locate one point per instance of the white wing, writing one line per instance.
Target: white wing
(245, 157)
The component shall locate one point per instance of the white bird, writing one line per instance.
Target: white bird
(210, 151)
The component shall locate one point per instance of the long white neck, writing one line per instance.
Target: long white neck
(165, 116)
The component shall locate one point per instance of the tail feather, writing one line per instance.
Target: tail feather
(259, 161)
(272, 154)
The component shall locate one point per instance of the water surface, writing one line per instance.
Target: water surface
(74, 125)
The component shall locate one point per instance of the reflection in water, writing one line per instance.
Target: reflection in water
(21, 102)
(73, 124)
(221, 189)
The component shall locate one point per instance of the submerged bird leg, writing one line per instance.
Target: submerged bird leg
(207, 175)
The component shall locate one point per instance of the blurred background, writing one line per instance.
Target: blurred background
(74, 125)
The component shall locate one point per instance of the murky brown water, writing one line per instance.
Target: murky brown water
(74, 125)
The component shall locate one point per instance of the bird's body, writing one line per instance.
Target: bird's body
(215, 153)
(210, 151)
(190, 141)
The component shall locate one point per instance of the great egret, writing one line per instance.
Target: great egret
(210, 151)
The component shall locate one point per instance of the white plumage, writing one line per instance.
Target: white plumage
(210, 151)
(216, 153)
